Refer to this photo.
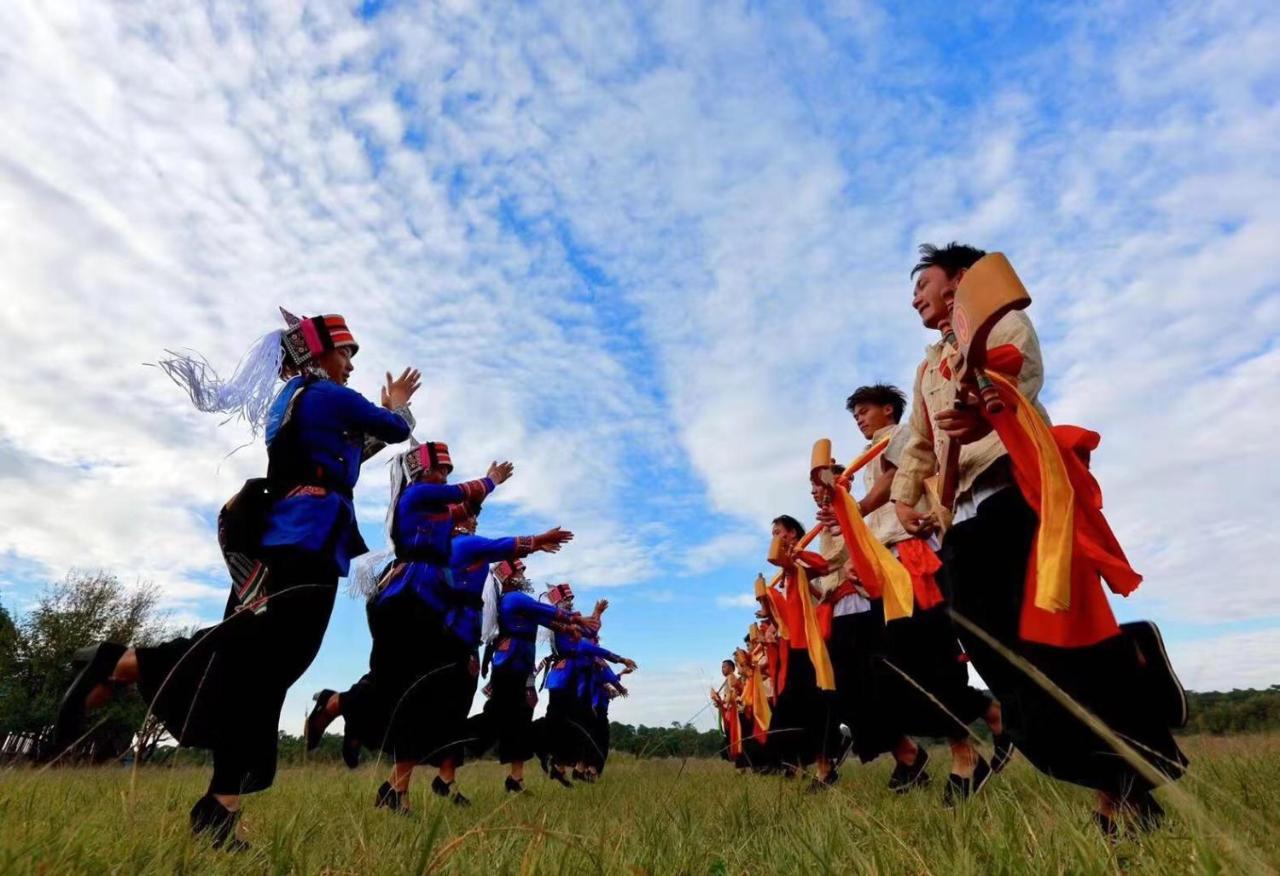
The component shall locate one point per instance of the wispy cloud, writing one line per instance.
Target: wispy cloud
(645, 257)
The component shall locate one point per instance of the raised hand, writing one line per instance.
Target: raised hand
(396, 393)
(601, 605)
(500, 471)
(552, 540)
(827, 517)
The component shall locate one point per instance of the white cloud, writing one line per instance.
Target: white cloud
(632, 258)
(738, 600)
(1236, 660)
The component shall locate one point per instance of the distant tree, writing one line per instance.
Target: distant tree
(35, 664)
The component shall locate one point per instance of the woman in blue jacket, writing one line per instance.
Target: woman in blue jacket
(223, 687)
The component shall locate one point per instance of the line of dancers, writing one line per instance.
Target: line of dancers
(432, 601)
(862, 647)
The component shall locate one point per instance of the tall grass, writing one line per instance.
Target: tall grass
(643, 817)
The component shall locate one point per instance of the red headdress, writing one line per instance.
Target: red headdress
(310, 336)
(558, 593)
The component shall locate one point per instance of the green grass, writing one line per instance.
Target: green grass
(643, 817)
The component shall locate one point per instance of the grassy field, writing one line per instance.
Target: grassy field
(643, 817)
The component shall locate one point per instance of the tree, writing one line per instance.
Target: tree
(35, 666)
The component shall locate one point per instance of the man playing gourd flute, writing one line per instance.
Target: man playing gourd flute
(997, 579)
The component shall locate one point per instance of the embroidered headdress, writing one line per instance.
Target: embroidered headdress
(248, 393)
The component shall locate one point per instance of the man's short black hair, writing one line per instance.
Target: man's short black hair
(878, 394)
(786, 521)
(730, 662)
(952, 258)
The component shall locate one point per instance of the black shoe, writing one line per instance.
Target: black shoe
(817, 786)
(350, 747)
(94, 666)
(514, 786)
(557, 775)
(907, 778)
(1146, 814)
(960, 789)
(1107, 826)
(389, 798)
(1003, 752)
(215, 822)
(318, 720)
(441, 788)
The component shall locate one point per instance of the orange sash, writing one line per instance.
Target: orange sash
(1075, 549)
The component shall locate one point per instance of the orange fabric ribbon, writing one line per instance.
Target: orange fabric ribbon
(761, 713)
(881, 574)
(1075, 548)
(805, 617)
(923, 565)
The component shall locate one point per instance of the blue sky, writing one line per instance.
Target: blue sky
(643, 250)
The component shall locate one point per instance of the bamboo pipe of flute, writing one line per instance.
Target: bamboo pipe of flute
(843, 481)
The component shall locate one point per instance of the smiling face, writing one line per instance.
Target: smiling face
(336, 364)
(932, 293)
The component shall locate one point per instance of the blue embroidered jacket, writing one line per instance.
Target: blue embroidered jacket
(602, 674)
(519, 616)
(330, 425)
(422, 533)
(470, 556)
(569, 670)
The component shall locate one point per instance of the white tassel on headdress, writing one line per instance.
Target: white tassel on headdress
(366, 573)
(546, 636)
(247, 394)
(489, 616)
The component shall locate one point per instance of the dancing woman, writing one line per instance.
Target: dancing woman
(286, 538)
(567, 725)
(512, 618)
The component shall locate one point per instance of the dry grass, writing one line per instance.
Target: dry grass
(643, 817)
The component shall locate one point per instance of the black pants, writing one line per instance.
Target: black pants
(223, 687)
(986, 559)
(863, 690)
(508, 717)
(413, 702)
(934, 697)
(804, 721)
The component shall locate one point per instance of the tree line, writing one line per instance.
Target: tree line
(36, 650)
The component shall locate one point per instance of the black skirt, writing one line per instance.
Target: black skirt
(413, 703)
(223, 687)
(986, 559)
(597, 753)
(804, 724)
(567, 727)
(507, 718)
(935, 698)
